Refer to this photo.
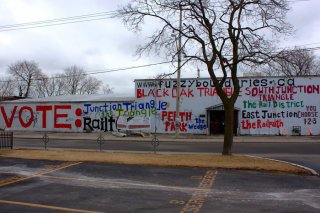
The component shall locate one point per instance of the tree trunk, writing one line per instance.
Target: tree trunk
(228, 129)
(20, 91)
(28, 88)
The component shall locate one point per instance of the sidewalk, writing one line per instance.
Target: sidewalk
(167, 137)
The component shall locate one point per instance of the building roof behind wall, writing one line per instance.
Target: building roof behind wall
(10, 98)
(75, 98)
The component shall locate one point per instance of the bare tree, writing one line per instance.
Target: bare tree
(58, 85)
(77, 81)
(73, 78)
(91, 85)
(296, 62)
(50, 86)
(107, 89)
(223, 33)
(30, 80)
(25, 73)
(7, 87)
(41, 86)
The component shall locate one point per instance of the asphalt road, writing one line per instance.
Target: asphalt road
(55, 186)
(304, 153)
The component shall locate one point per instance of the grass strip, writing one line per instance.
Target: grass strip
(184, 160)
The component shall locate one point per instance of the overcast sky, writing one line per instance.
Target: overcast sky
(105, 44)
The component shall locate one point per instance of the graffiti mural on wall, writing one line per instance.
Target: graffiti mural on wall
(96, 116)
(267, 105)
(26, 115)
(281, 107)
(126, 115)
(273, 106)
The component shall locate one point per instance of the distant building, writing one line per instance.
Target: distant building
(10, 98)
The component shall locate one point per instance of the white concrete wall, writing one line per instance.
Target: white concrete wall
(72, 117)
(268, 106)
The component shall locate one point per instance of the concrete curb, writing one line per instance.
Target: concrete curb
(115, 151)
(242, 139)
(313, 172)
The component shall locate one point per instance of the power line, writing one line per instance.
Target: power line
(70, 20)
(129, 68)
(103, 71)
(142, 66)
(23, 28)
(126, 68)
(60, 21)
(308, 44)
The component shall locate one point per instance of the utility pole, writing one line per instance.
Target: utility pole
(177, 122)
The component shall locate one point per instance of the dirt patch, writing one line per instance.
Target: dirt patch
(189, 160)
